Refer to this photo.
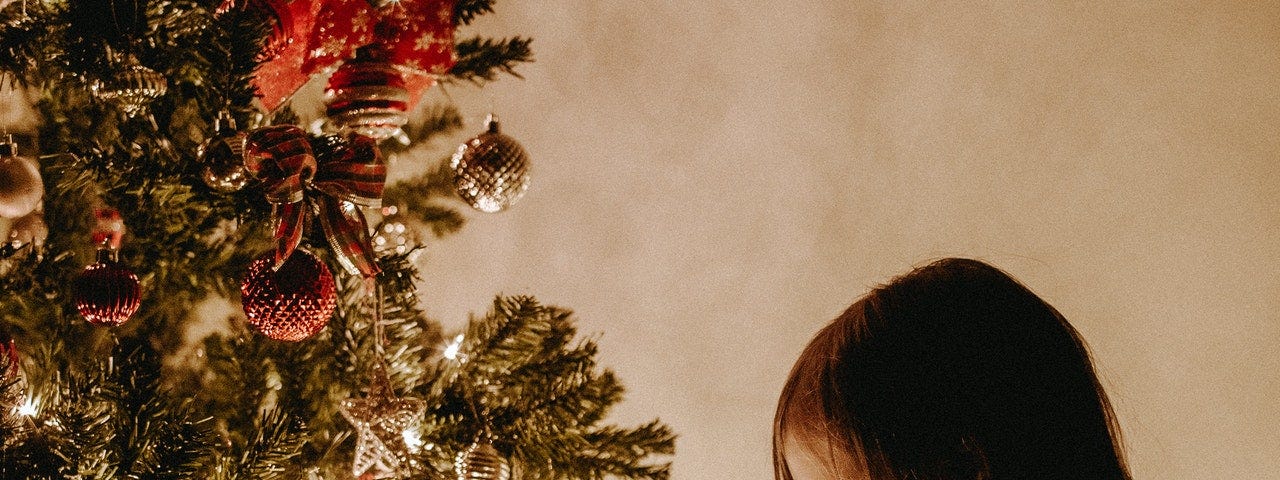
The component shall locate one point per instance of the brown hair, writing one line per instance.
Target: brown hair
(954, 371)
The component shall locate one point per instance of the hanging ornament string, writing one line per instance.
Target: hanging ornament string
(383, 421)
(379, 331)
(130, 35)
(479, 460)
(346, 174)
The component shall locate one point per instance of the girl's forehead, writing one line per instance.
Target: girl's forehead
(815, 458)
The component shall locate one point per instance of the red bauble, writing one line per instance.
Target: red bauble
(293, 303)
(401, 46)
(106, 293)
(368, 97)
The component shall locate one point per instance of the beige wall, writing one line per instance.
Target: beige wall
(715, 180)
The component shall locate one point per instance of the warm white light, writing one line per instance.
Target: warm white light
(29, 408)
(451, 350)
(412, 439)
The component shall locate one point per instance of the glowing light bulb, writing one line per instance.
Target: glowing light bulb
(412, 439)
(451, 350)
(29, 408)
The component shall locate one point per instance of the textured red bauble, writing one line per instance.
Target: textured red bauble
(106, 293)
(290, 304)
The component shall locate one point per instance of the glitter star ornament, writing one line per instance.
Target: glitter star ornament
(381, 420)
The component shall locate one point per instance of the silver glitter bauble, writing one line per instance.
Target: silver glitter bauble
(480, 461)
(223, 157)
(134, 89)
(20, 185)
(491, 171)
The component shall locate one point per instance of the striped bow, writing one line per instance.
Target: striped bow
(335, 176)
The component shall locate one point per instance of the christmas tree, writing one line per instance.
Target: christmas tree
(171, 171)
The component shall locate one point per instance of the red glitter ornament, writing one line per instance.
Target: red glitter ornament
(106, 293)
(292, 303)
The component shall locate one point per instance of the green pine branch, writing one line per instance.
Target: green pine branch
(522, 374)
(278, 438)
(434, 121)
(465, 11)
(480, 60)
(419, 198)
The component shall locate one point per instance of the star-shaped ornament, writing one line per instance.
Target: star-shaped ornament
(381, 419)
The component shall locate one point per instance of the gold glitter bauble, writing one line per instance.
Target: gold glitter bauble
(134, 88)
(480, 461)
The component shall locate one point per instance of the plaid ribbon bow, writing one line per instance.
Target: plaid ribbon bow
(343, 175)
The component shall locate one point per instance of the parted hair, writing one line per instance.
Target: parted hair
(953, 371)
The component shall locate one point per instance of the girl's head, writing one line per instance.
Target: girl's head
(954, 371)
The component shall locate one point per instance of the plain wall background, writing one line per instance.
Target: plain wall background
(716, 180)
